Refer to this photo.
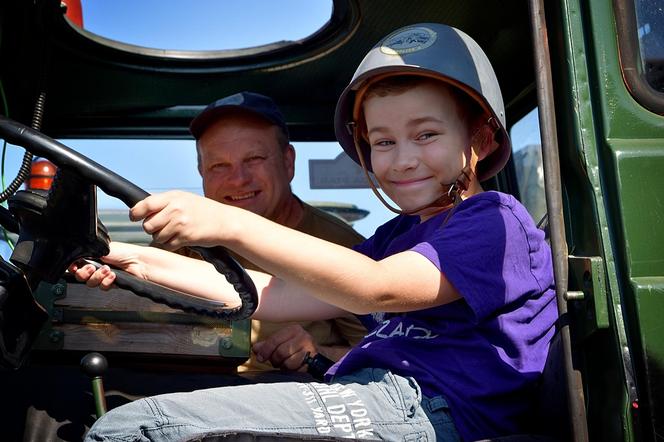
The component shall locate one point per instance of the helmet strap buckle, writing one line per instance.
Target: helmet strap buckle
(493, 123)
(350, 127)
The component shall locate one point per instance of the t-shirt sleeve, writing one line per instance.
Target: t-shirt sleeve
(364, 247)
(374, 246)
(480, 249)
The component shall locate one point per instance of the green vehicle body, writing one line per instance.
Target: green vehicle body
(611, 150)
(609, 157)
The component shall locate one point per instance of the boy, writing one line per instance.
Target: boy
(457, 290)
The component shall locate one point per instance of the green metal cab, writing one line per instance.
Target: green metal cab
(593, 70)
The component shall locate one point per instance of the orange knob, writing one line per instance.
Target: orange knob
(41, 174)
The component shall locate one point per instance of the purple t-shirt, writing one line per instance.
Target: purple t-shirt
(484, 352)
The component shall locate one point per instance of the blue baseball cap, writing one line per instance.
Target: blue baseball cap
(249, 101)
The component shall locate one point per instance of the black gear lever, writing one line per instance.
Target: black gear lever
(94, 365)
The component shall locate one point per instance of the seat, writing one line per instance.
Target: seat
(552, 408)
(551, 423)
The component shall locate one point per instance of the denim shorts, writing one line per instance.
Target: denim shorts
(371, 404)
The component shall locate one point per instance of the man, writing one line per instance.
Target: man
(245, 160)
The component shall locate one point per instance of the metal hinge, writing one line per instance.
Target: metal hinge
(587, 283)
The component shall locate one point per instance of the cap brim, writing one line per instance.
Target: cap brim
(206, 118)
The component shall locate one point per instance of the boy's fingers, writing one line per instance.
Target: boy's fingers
(158, 224)
(97, 277)
(92, 276)
(166, 238)
(151, 204)
(107, 282)
(83, 274)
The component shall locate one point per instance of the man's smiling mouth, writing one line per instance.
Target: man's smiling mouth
(242, 197)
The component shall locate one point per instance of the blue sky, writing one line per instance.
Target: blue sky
(204, 24)
(166, 164)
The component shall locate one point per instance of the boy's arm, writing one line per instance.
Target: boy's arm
(403, 282)
(199, 278)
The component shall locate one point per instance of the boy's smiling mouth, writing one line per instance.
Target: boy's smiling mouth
(410, 181)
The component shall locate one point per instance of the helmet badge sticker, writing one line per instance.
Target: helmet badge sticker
(408, 40)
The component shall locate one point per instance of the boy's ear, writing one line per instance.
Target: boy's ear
(484, 141)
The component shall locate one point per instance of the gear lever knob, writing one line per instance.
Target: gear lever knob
(95, 365)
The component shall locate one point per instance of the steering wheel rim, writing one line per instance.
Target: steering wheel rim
(114, 185)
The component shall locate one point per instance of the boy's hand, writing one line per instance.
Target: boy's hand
(121, 255)
(101, 277)
(176, 219)
(286, 348)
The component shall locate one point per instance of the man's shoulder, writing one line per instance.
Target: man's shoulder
(323, 225)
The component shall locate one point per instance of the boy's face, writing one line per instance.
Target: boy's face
(418, 141)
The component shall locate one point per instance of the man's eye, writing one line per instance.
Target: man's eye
(255, 159)
(220, 167)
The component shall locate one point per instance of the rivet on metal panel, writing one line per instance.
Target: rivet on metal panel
(55, 336)
(226, 343)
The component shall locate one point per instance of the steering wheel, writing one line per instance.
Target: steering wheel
(60, 226)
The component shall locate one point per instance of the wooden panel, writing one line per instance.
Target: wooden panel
(119, 321)
(144, 338)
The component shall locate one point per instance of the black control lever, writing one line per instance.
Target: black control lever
(94, 365)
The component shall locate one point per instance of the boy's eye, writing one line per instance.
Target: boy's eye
(381, 145)
(426, 135)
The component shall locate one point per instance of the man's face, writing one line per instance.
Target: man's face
(242, 164)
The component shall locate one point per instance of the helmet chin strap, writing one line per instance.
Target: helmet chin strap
(450, 192)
